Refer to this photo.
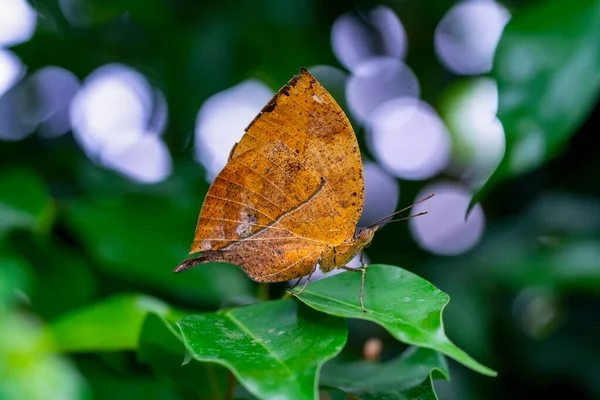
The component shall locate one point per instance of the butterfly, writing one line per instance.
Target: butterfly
(290, 196)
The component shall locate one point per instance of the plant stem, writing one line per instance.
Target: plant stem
(230, 386)
(263, 291)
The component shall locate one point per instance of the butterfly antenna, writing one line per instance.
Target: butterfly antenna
(404, 209)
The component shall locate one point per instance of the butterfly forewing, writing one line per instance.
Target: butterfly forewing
(305, 117)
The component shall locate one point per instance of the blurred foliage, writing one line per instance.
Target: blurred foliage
(86, 254)
(547, 67)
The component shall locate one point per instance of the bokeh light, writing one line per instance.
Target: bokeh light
(409, 139)
(15, 123)
(376, 81)
(222, 119)
(467, 36)
(147, 159)
(54, 89)
(17, 22)
(382, 193)
(112, 119)
(444, 230)
(477, 133)
(536, 310)
(11, 69)
(378, 33)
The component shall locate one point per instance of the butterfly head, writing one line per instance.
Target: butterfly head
(364, 235)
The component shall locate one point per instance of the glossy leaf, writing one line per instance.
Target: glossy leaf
(24, 201)
(112, 324)
(275, 349)
(161, 347)
(406, 377)
(423, 391)
(547, 67)
(409, 307)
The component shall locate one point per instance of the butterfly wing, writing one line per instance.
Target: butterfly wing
(293, 186)
(269, 256)
(265, 188)
(305, 117)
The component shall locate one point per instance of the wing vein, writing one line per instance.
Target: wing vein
(240, 222)
(247, 188)
(263, 178)
(240, 203)
(292, 265)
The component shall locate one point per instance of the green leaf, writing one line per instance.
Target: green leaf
(24, 202)
(109, 379)
(423, 391)
(275, 349)
(547, 67)
(400, 378)
(110, 325)
(13, 276)
(407, 306)
(29, 369)
(161, 347)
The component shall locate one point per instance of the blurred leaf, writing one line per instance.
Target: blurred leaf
(24, 202)
(28, 370)
(142, 238)
(57, 267)
(547, 67)
(409, 307)
(109, 384)
(335, 394)
(13, 276)
(422, 391)
(275, 349)
(400, 378)
(161, 347)
(112, 324)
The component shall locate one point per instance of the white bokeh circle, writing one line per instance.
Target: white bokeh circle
(113, 119)
(378, 33)
(465, 40)
(222, 119)
(444, 230)
(17, 22)
(382, 193)
(409, 139)
(376, 81)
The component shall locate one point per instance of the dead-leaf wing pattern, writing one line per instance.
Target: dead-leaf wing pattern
(281, 258)
(257, 190)
(305, 117)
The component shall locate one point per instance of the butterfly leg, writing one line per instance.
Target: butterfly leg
(295, 284)
(362, 270)
(305, 283)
